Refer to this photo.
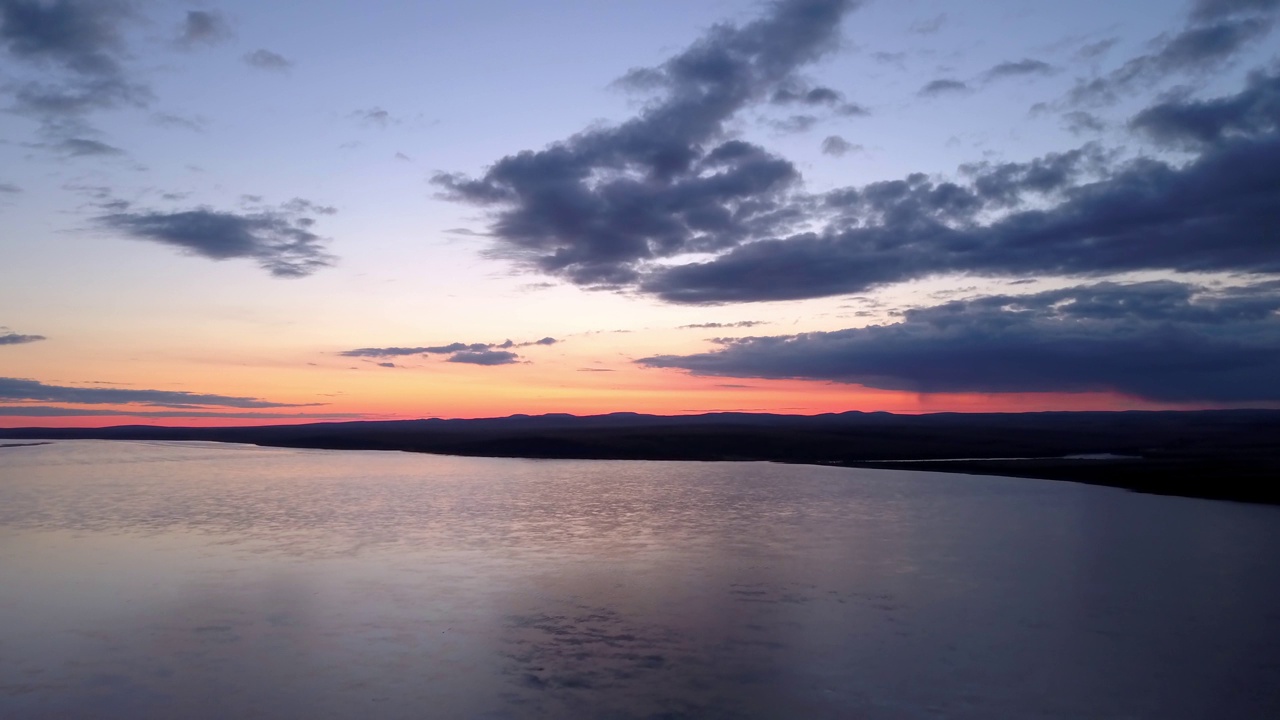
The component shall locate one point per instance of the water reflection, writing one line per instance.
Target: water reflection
(202, 581)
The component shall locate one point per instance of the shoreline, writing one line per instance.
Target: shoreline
(1218, 455)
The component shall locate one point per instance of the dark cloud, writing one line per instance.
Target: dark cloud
(485, 357)
(80, 35)
(621, 207)
(12, 338)
(1215, 32)
(1216, 213)
(280, 240)
(838, 146)
(942, 86)
(77, 50)
(1160, 341)
(1077, 213)
(1254, 111)
(10, 188)
(267, 60)
(17, 389)
(666, 182)
(1021, 68)
(203, 27)
(386, 364)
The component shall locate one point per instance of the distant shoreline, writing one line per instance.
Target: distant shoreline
(1222, 454)
(28, 444)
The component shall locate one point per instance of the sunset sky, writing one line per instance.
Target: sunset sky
(246, 212)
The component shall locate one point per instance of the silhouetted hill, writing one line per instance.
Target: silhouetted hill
(1232, 454)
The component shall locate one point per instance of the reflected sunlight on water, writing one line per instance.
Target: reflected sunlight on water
(156, 580)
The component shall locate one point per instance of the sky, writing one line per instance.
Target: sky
(245, 212)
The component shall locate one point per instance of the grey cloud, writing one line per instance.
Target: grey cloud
(838, 146)
(1212, 10)
(1159, 341)
(10, 188)
(1215, 32)
(485, 357)
(1217, 213)
(12, 338)
(53, 411)
(82, 147)
(177, 121)
(799, 93)
(203, 27)
(796, 123)
(593, 207)
(889, 58)
(280, 240)
(384, 352)
(929, 25)
(1079, 122)
(716, 325)
(619, 207)
(1075, 214)
(1021, 68)
(80, 35)
(1096, 49)
(267, 60)
(454, 348)
(17, 389)
(1254, 111)
(302, 205)
(77, 48)
(942, 86)
(386, 364)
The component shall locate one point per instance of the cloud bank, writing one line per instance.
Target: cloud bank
(1161, 341)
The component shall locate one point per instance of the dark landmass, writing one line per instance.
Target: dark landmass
(30, 444)
(1223, 454)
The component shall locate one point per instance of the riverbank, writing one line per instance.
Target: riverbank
(1224, 454)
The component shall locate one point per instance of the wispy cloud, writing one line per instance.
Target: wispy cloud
(202, 27)
(18, 389)
(266, 60)
(460, 352)
(12, 338)
(56, 411)
(281, 240)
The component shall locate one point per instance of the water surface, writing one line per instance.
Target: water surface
(194, 580)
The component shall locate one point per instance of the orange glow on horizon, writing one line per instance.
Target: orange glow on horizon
(477, 392)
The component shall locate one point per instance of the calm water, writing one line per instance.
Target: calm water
(167, 580)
